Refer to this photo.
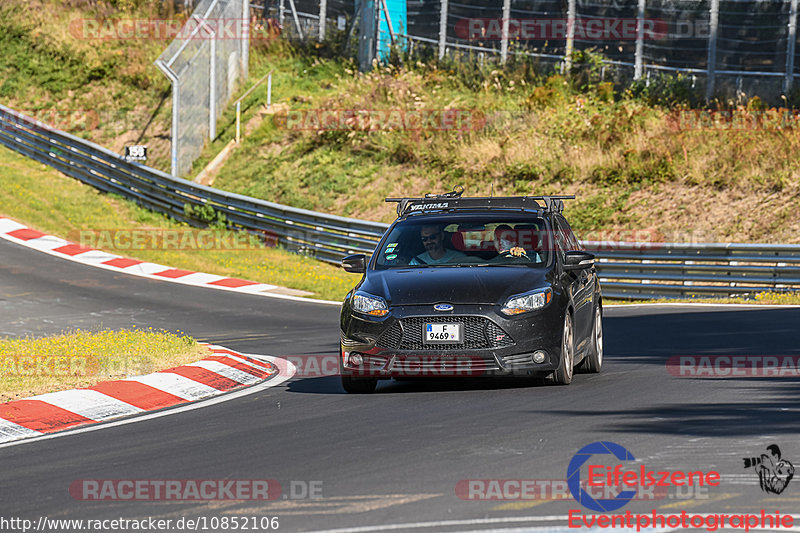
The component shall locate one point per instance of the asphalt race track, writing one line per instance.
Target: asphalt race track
(396, 457)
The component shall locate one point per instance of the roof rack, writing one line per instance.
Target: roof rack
(452, 201)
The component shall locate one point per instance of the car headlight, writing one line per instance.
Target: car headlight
(530, 301)
(370, 305)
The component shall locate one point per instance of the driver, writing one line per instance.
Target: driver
(435, 253)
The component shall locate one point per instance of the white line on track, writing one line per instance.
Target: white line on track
(286, 371)
(513, 519)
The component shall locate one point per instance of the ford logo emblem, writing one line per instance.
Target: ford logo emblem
(443, 307)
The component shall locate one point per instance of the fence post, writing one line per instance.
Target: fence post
(323, 17)
(442, 29)
(638, 61)
(281, 12)
(244, 48)
(212, 79)
(713, 26)
(506, 24)
(790, 46)
(296, 20)
(367, 31)
(570, 36)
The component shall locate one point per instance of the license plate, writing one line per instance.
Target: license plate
(444, 333)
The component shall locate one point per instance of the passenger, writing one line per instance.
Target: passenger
(435, 253)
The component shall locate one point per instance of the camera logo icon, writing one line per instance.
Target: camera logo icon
(774, 473)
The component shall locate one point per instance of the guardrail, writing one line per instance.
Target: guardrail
(627, 270)
(327, 237)
(679, 270)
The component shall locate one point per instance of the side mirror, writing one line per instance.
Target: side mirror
(578, 260)
(357, 264)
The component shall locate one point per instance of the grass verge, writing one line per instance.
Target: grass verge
(75, 359)
(762, 298)
(38, 196)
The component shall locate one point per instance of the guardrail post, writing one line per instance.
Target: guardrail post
(505, 36)
(639, 60)
(442, 29)
(790, 48)
(238, 121)
(269, 91)
(713, 27)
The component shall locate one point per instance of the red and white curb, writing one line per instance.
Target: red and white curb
(221, 372)
(13, 231)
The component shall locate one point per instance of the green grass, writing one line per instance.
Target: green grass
(762, 298)
(73, 359)
(42, 198)
(623, 154)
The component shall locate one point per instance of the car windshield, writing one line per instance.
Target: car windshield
(465, 241)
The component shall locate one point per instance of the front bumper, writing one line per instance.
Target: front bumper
(493, 345)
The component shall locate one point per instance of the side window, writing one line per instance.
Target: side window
(572, 241)
(560, 238)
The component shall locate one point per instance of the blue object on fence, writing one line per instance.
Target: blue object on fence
(398, 16)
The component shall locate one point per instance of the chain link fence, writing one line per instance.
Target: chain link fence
(725, 48)
(204, 64)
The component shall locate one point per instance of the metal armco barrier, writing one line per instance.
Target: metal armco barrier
(326, 237)
(635, 271)
(627, 270)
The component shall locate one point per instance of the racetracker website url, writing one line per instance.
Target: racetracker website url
(200, 523)
(709, 522)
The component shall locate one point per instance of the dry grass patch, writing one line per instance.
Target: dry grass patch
(77, 359)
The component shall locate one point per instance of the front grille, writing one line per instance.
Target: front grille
(391, 337)
(430, 366)
(479, 333)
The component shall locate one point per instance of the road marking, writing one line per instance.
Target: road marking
(688, 504)
(518, 505)
(286, 371)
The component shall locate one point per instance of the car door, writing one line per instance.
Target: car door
(583, 283)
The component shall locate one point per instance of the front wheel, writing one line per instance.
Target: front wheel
(359, 385)
(594, 360)
(563, 374)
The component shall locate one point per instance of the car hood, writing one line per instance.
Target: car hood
(457, 285)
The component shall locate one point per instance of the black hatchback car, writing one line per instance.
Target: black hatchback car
(463, 287)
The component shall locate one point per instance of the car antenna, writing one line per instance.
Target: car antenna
(491, 193)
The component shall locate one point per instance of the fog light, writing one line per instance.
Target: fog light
(356, 359)
(539, 356)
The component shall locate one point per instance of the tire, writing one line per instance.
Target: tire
(594, 360)
(563, 374)
(359, 385)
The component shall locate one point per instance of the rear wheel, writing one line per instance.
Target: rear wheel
(359, 385)
(563, 374)
(594, 360)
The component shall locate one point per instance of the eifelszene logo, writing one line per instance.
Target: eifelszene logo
(774, 473)
(616, 477)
